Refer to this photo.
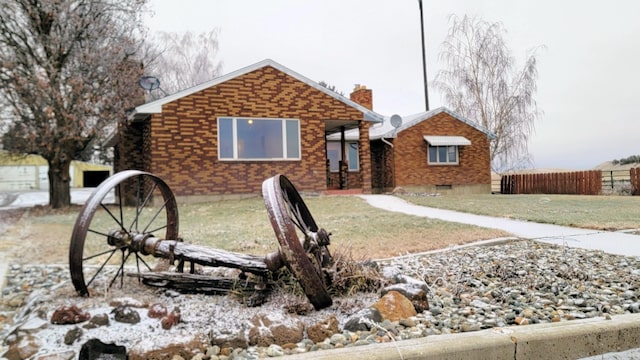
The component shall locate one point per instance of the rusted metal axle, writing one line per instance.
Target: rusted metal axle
(173, 250)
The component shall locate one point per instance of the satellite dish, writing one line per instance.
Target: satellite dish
(149, 83)
(395, 121)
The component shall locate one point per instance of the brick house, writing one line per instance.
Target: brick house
(224, 137)
(432, 151)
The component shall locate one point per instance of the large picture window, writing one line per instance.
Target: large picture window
(258, 139)
(443, 154)
(335, 155)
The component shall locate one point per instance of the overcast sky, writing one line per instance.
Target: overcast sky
(588, 86)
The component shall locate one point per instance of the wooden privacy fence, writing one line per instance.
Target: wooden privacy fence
(577, 182)
(635, 181)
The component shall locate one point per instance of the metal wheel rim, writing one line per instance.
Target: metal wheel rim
(277, 192)
(95, 202)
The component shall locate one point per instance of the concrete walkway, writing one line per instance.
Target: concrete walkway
(607, 241)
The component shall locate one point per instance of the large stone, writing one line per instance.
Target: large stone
(95, 349)
(394, 306)
(69, 314)
(72, 335)
(361, 321)
(230, 339)
(97, 321)
(186, 348)
(157, 311)
(413, 291)
(171, 319)
(323, 329)
(125, 314)
(266, 330)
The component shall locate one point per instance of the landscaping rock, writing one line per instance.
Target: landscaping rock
(95, 349)
(185, 347)
(268, 330)
(361, 320)
(394, 306)
(323, 329)
(69, 314)
(157, 311)
(125, 314)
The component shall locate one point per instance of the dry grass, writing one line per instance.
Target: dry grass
(593, 212)
(243, 226)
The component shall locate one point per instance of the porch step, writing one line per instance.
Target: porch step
(342, 192)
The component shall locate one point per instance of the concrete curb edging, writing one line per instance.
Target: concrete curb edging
(4, 266)
(562, 340)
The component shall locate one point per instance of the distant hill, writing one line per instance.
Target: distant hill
(608, 165)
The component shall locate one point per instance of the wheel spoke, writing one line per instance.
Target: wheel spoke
(294, 213)
(120, 271)
(144, 263)
(154, 217)
(297, 219)
(138, 266)
(120, 206)
(142, 206)
(137, 202)
(101, 267)
(113, 217)
(97, 232)
(100, 254)
(159, 228)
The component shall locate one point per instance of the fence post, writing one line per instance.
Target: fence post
(611, 177)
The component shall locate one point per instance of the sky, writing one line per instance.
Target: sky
(588, 57)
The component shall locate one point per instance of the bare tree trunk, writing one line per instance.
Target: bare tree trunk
(59, 184)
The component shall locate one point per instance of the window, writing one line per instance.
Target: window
(443, 154)
(258, 139)
(335, 155)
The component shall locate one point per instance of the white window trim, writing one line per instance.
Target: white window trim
(457, 162)
(234, 131)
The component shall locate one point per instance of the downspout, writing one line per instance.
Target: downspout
(386, 141)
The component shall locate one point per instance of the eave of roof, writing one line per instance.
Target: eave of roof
(155, 107)
(387, 131)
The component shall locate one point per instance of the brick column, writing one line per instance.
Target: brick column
(365, 156)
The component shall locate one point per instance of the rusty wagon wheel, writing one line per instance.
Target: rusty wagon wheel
(113, 223)
(304, 250)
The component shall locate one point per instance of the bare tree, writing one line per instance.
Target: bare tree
(481, 82)
(180, 61)
(67, 71)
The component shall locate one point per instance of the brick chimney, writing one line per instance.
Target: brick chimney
(362, 96)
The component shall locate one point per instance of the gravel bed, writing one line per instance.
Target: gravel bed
(472, 288)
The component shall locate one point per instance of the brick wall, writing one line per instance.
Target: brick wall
(184, 143)
(411, 151)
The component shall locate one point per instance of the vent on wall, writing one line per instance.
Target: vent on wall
(444, 187)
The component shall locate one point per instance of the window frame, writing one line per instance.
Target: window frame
(234, 139)
(447, 153)
(347, 145)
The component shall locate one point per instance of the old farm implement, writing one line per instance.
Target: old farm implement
(133, 215)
